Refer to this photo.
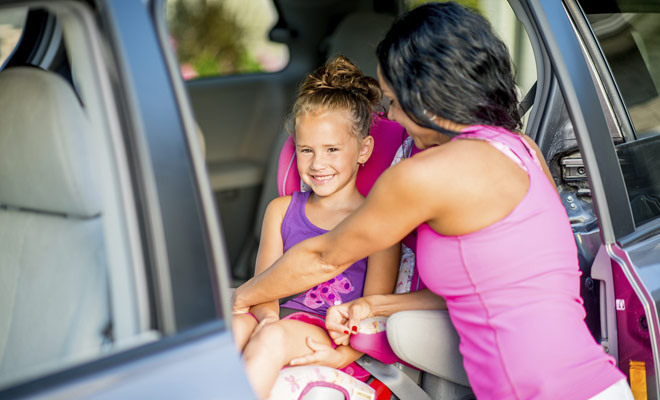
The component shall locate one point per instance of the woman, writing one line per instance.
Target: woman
(493, 238)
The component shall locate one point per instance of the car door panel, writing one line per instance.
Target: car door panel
(182, 347)
(199, 364)
(636, 311)
(617, 269)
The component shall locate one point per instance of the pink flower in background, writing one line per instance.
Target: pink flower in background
(188, 72)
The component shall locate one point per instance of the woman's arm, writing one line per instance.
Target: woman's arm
(346, 317)
(340, 319)
(382, 271)
(391, 211)
(445, 186)
(388, 304)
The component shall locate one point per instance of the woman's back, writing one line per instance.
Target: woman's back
(512, 290)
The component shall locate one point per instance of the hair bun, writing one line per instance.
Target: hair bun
(340, 85)
(342, 74)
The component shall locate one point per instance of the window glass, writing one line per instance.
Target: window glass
(70, 279)
(630, 41)
(215, 38)
(11, 29)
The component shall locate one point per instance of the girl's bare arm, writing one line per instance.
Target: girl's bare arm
(270, 249)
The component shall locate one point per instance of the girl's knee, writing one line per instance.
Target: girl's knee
(243, 324)
(272, 334)
(269, 342)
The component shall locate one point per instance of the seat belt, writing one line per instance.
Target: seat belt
(528, 101)
(395, 379)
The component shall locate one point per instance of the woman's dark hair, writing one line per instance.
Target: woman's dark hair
(443, 59)
(340, 85)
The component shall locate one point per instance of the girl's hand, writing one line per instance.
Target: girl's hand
(344, 320)
(323, 354)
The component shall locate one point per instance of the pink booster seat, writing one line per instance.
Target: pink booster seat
(388, 139)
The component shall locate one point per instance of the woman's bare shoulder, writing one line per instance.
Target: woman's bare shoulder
(455, 158)
(430, 177)
(454, 169)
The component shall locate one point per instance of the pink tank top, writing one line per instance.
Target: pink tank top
(512, 290)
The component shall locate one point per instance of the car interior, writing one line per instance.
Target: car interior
(354, 33)
(68, 222)
(65, 206)
(52, 214)
(71, 233)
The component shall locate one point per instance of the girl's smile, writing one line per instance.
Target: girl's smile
(328, 152)
(321, 179)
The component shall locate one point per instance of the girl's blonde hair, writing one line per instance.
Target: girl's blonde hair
(340, 85)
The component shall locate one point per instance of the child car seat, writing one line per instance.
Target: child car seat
(384, 344)
(408, 333)
(388, 137)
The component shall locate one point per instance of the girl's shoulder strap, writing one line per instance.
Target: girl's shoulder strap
(298, 197)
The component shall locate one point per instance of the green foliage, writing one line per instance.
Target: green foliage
(208, 38)
(473, 4)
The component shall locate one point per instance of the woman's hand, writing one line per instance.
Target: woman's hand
(343, 320)
(323, 354)
(237, 308)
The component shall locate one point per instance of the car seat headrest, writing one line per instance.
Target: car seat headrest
(357, 36)
(44, 153)
(388, 136)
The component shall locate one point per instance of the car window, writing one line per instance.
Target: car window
(11, 29)
(222, 38)
(630, 42)
(512, 33)
(72, 281)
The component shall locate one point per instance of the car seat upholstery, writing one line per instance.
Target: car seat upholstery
(357, 36)
(404, 336)
(408, 334)
(388, 137)
(53, 286)
(439, 358)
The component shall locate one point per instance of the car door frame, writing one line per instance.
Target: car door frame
(587, 89)
(181, 241)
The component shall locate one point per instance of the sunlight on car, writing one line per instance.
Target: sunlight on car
(11, 29)
(224, 38)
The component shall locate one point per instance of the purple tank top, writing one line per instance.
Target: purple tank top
(344, 287)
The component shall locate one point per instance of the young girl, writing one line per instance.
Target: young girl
(332, 117)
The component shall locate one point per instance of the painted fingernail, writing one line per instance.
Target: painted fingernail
(354, 328)
(346, 332)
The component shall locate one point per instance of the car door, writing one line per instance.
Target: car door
(603, 57)
(163, 282)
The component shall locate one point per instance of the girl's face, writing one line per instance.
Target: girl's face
(328, 152)
(422, 136)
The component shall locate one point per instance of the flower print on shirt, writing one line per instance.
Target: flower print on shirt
(328, 292)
